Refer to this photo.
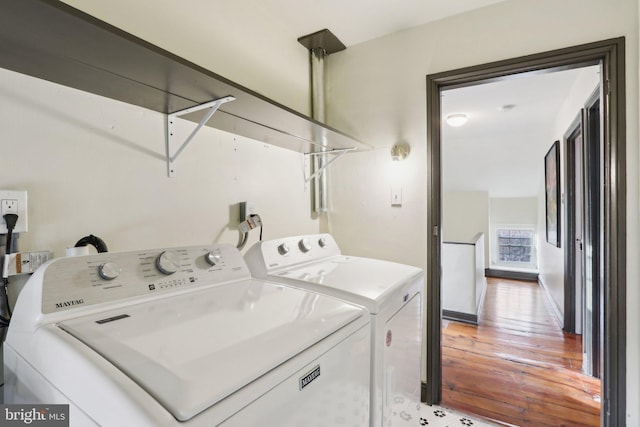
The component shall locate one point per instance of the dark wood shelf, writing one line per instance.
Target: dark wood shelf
(50, 40)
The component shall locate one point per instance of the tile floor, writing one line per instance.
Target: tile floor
(442, 417)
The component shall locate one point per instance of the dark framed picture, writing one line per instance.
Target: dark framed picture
(552, 193)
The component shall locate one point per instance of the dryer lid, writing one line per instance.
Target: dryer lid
(365, 281)
(193, 350)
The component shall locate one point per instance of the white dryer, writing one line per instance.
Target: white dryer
(186, 337)
(391, 292)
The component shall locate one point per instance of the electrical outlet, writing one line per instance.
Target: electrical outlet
(246, 209)
(14, 202)
(9, 206)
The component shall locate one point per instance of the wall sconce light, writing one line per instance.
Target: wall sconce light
(400, 151)
(457, 119)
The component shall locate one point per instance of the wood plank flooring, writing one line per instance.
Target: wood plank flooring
(517, 367)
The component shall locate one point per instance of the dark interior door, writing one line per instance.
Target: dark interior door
(583, 281)
(593, 301)
(574, 264)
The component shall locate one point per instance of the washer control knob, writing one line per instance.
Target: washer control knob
(109, 270)
(304, 244)
(212, 258)
(322, 242)
(168, 262)
(283, 249)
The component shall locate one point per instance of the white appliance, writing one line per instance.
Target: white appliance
(185, 336)
(391, 292)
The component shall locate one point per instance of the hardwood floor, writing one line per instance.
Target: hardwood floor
(517, 367)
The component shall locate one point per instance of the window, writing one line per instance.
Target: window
(516, 246)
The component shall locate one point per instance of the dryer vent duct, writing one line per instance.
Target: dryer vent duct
(320, 44)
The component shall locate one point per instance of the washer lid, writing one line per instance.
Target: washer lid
(365, 281)
(193, 350)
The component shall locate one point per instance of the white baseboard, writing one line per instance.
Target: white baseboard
(555, 310)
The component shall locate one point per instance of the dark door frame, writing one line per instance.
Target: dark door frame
(587, 123)
(576, 129)
(592, 238)
(593, 213)
(610, 54)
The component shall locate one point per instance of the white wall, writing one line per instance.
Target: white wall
(94, 165)
(226, 37)
(513, 210)
(463, 280)
(465, 214)
(370, 194)
(458, 277)
(377, 92)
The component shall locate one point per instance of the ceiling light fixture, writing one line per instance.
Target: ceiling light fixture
(457, 119)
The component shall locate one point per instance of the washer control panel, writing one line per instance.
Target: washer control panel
(271, 255)
(93, 279)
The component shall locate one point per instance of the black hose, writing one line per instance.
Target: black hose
(94, 241)
(244, 238)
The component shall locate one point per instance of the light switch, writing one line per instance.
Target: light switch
(396, 196)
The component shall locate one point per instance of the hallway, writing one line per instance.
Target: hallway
(517, 366)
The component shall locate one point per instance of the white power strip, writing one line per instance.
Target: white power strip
(24, 262)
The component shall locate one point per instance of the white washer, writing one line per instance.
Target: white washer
(391, 292)
(185, 336)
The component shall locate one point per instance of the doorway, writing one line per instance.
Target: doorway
(493, 182)
(610, 53)
(582, 288)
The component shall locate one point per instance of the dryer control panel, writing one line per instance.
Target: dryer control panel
(105, 277)
(270, 255)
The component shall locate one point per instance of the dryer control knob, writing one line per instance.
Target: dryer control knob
(322, 242)
(283, 249)
(212, 258)
(168, 262)
(304, 245)
(109, 270)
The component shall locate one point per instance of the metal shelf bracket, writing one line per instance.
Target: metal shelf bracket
(336, 153)
(173, 141)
